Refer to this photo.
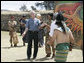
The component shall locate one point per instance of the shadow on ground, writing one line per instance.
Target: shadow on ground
(43, 59)
(12, 47)
(31, 60)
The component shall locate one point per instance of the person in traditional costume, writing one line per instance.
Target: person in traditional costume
(61, 37)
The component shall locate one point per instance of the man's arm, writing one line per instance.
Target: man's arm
(8, 23)
(71, 41)
(15, 23)
(52, 39)
(44, 25)
(26, 29)
(71, 37)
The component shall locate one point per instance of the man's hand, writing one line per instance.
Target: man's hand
(45, 24)
(42, 26)
(50, 43)
(23, 34)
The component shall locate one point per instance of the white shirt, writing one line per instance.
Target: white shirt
(52, 27)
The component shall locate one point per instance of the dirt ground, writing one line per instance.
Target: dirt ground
(18, 54)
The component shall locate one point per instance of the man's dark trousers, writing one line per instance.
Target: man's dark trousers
(32, 35)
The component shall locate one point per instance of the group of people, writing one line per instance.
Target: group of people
(58, 35)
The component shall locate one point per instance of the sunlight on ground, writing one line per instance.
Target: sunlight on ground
(18, 54)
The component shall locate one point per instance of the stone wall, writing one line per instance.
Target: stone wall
(5, 17)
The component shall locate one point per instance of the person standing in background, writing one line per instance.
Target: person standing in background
(47, 46)
(41, 32)
(23, 24)
(12, 31)
(20, 27)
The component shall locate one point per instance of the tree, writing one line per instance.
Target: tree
(33, 8)
(48, 5)
(23, 7)
(39, 5)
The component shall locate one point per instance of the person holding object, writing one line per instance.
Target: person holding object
(63, 37)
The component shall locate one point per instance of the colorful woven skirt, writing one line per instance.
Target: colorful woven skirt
(62, 50)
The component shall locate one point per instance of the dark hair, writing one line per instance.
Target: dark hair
(24, 16)
(59, 19)
(12, 17)
(51, 15)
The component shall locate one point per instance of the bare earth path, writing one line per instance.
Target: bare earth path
(18, 54)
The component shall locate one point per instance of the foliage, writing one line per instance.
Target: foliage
(33, 8)
(48, 5)
(23, 7)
